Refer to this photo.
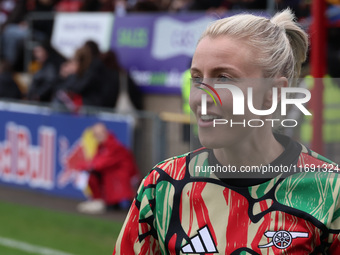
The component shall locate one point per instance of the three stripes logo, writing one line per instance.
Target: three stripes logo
(200, 243)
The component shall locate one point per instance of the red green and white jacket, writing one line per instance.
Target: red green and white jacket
(179, 210)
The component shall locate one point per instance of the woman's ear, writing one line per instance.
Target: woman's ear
(278, 83)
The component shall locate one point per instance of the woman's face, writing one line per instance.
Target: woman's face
(225, 60)
(40, 54)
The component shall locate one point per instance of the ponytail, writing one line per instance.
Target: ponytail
(298, 39)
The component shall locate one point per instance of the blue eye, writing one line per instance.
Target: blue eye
(224, 79)
(196, 80)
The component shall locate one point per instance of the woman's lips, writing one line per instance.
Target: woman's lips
(207, 120)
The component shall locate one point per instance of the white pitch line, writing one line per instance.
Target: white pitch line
(35, 249)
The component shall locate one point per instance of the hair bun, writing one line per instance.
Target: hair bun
(284, 19)
(297, 37)
(280, 43)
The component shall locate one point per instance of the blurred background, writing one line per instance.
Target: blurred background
(66, 65)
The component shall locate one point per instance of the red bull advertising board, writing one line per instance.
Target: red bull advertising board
(39, 149)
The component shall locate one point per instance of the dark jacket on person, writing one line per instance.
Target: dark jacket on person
(112, 87)
(44, 82)
(89, 84)
(8, 87)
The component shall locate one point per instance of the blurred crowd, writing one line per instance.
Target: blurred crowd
(300, 7)
(89, 78)
(66, 83)
(72, 83)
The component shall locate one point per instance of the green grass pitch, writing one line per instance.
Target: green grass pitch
(71, 233)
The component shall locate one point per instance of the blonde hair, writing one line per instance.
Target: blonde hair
(281, 43)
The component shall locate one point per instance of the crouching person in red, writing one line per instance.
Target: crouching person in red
(112, 174)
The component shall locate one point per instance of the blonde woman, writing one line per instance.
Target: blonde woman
(208, 201)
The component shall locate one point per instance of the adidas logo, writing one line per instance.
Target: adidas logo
(200, 243)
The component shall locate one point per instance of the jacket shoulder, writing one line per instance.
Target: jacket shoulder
(309, 158)
(175, 166)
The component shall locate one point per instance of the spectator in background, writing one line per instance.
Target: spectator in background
(117, 6)
(102, 5)
(111, 89)
(45, 80)
(201, 5)
(90, 6)
(8, 87)
(180, 5)
(121, 83)
(246, 4)
(94, 48)
(301, 8)
(215, 6)
(83, 76)
(13, 31)
(6, 7)
(97, 79)
(146, 6)
(16, 29)
(113, 173)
